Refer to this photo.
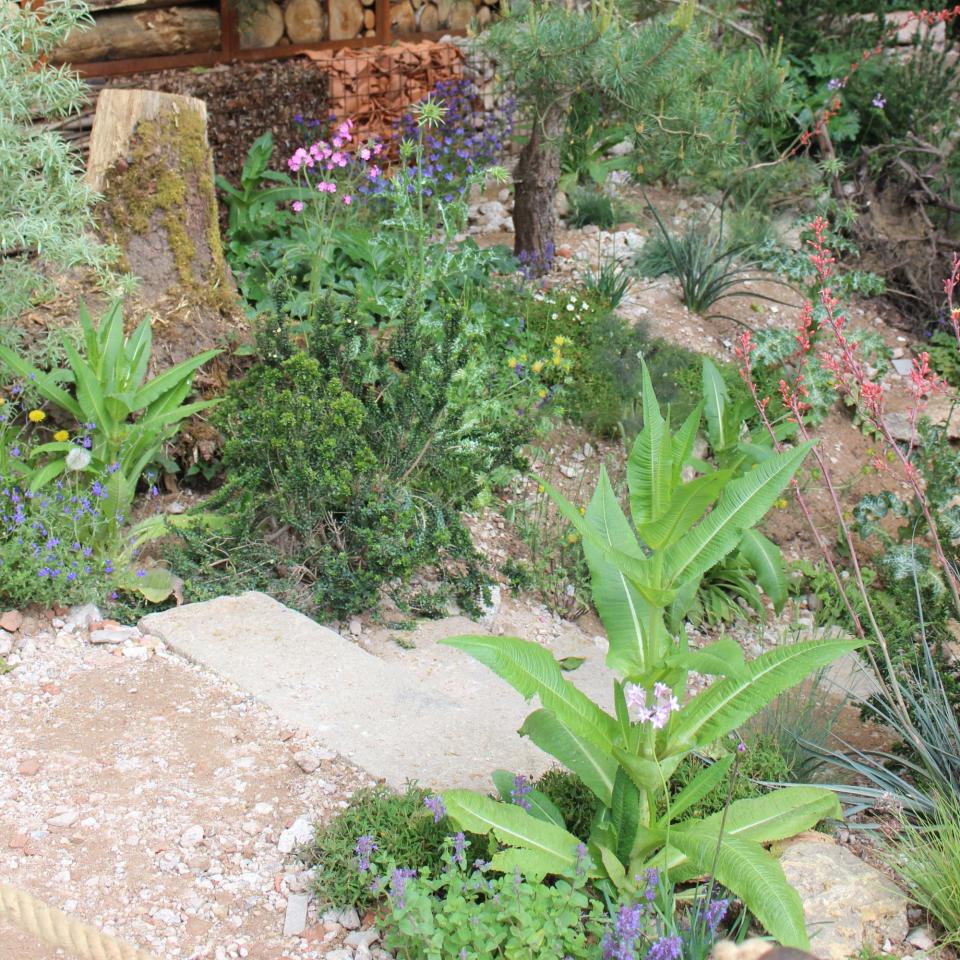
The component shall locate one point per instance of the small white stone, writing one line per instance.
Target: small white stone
(295, 919)
(307, 761)
(300, 831)
(167, 916)
(191, 836)
(66, 819)
(356, 628)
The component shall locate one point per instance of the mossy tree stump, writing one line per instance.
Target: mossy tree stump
(150, 158)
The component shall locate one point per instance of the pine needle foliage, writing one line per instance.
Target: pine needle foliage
(45, 206)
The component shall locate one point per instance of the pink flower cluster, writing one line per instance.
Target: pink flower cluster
(658, 713)
(331, 158)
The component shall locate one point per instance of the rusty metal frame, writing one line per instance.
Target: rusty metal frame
(230, 51)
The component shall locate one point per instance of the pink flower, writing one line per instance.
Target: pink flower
(347, 199)
(297, 206)
(364, 154)
(325, 186)
(374, 172)
(657, 716)
(377, 147)
(337, 142)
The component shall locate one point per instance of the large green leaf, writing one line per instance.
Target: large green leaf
(637, 569)
(625, 813)
(650, 464)
(171, 378)
(89, 392)
(689, 502)
(716, 398)
(683, 441)
(531, 670)
(777, 815)
(556, 849)
(44, 384)
(752, 874)
(744, 502)
(622, 610)
(592, 765)
(730, 702)
(765, 558)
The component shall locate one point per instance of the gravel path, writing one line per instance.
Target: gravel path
(151, 799)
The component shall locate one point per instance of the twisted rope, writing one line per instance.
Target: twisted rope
(58, 930)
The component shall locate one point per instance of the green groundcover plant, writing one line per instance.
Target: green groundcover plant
(628, 757)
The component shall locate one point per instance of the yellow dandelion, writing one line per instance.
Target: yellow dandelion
(541, 488)
(559, 341)
(512, 362)
(36, 416)
(572, 538)
(541, 393)
(523, 358)
(61, 435)
(537, 366)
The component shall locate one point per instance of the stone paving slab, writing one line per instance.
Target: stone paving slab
(447, 724)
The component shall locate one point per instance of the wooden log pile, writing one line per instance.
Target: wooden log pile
(146, 32)
(375, 85)
(129, 29)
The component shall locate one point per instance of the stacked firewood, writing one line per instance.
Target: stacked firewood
(374, 86)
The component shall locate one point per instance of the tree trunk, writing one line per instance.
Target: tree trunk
(535, 188)
(150, 158)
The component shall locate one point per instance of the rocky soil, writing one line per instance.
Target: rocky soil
(159, 803)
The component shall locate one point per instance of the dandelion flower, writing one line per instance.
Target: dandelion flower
(36, 416)
(537, 366)
(61, 435)
(78, 459)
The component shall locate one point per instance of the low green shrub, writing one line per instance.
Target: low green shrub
(461, 911)
(400, 825)
(572, 797)
(307, 512)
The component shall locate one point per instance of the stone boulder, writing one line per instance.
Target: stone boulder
(847, 904)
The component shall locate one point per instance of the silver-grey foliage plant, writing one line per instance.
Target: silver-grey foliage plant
(45, 205)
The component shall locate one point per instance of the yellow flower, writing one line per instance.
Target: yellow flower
(61, 435)
(572, 538)
(559, 341)
(3, 400)
(512, 362)
(36, 416)
(523, 358)
(541, 488)
(541, 394)
(781, 504)
(537, 366)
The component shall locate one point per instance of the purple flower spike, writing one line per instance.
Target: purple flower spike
(436, 806)
(365, 846)
(518, 795)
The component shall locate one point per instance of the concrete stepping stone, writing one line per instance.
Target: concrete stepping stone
(439, 718)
